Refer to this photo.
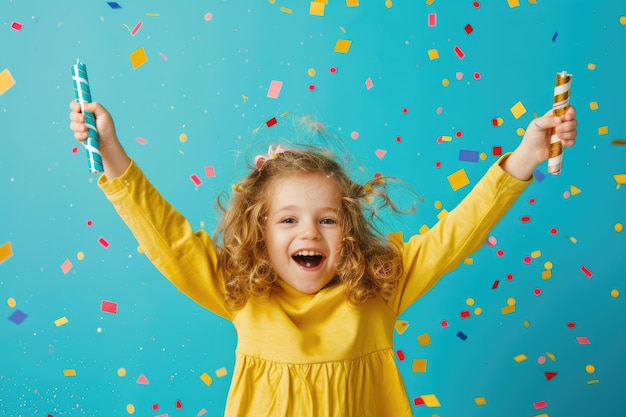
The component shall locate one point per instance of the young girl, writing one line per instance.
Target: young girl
(312, 290)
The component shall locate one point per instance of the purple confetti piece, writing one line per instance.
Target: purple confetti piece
(18, 317)
(468, 156)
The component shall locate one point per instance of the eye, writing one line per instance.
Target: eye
(328, 221)
(288, 220)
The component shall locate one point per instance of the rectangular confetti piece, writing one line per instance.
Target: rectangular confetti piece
(343, 46)
(432, 20)
(419, 365)
(468, 156)
(430, 400)
(518, 110)
(69, 372)
(60, 322)
(206, 378)
(458, 179)
(274, 90)
(109, 307)
(6, 81)
(459, 52)
(195, 179)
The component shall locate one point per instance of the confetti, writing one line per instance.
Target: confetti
(380, 153)
(461, 336)
(6, 251)
(343, 46)
(221, 372)
(424, 339)
(316, 8)
(468, 29)
(540, 404)
(550, 375)
(209, 172)
(401, 326)
(556, 35)
(104, 243)
(66, 266)
(17, 26)
(459, 52)
(138, 57)
(432, 20)
(6, 81)
(143, 380)
(433, 54)
(109, 307)
(419, 365)
(430, 400)
(61, 321)
(400, 355)
(468, 156)
(369, 84)
(114, 5)
(69, 372)
(480, 401)
(206, 378)
(520, 358)
(513, 3)
(582, 340)
(586, 271)
(518, 110)
(136, 28)
(274, 90)
(458, 179)
(195, 179)
(18, 317)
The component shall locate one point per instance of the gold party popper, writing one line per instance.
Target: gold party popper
(560, 106)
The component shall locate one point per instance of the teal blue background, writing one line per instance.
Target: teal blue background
(47, 196)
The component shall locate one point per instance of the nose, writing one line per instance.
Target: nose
(310, 231)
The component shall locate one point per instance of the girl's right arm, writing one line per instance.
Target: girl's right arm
(187, 258)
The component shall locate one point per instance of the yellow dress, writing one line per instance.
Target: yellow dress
(311, 355)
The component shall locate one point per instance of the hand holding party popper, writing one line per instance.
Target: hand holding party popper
(559, 108)
(83, 95)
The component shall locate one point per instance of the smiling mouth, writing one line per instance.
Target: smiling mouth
(308, 258)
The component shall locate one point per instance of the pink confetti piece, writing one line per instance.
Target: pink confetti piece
(468, 29)
(142, 141)
(586, 271)
(380, 153)
(108, 307)
(432, 20)
(582, 340)
(17, 26)
(209, 172)
(274, 90)
(369, 84)
(162, 55)
(459, 52)
(66, 266)
(201, 412)
(195, 179)
(136, 28)
(540, 404)
(142, 380)
(105, 243)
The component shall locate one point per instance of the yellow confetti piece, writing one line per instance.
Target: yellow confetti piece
(430, 400)
(470, 301)
(542, 415)
(401, 326)
(182, 137)
(130, 409)
(574, 190)
(69, 372)
(221, 372)
(593, 105)
(6, 251)
(80, 256)
(526, 324)
(311, 72)
(551, 356)
(446, 138)
(419, 365)
(468, 261)
(535, 254)
(343, 46)
(478, 311)
(206, 378)
(285, 10)
(622, 20)
(614, 293)
(603, 130)
(424, 339)
(590, 369)
(545, 275)
(591, 66)
(11, 302)
(445, 82)
(619, 179)
(593, 381)
(513, 3)
(618, 227)
(424, 229)
(352, 3)
(510, 301)
(480, 400)
(520, 358)
(442, 214)
(61, 321)
(121, 372)
(316, 9)
(458, 179)
(508, 309)
(388, 4)
(6, 81)
(547, 265)
(138, 57)
(518, 110)
(433, 54)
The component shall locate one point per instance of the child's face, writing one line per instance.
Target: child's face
(302, 231)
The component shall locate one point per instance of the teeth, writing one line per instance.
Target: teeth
(308, 253)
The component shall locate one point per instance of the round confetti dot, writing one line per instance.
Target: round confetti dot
(458, 134)
(12, 303)
(492, 241)
(439, 110)
(439, 140)
(537, 291)
(398, 139)
(438, 204)
(618, 227)
(622, 20)
(590, 369)
(332, 70)
(311, 72)
(520, 131)
(405, 110)
(438, 164)
(183, 137)
(444, 323)
(208, 17)
(477, 4)
(478, 311)
(527, 259)
(477, 76)
(469, 301)
(500, 253)
(459, 76)
(89, 223)
(531, 201)
(99, 330)
(155, 407)
(509, 277)
(354, 135)
(388, 4)
(614, 293)
(483, 156)
(526, 324)
(75, 149)
(311, 87)
(553, 231)
(566, 195)
(445, 82)
(121, 372)
(130, 409)
(541, 360)
(80, 256)
(510, 301)
(547, 265)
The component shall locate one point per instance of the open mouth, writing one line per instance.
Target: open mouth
(308, 258)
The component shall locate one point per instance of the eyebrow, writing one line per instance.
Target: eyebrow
(293, 207)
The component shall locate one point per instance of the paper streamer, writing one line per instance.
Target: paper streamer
(560, 106)
(83, 95)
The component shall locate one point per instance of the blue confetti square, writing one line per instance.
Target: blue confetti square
(18, 317)
(468, 156)
(114, 5)
(539, 175)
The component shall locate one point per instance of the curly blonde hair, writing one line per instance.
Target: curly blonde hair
(368, 263)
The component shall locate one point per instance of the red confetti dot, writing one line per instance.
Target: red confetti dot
(527, 259)
(89, 223)
(179, 404)
(400, 355)
(75, 149)
(477, 75)
(465, 314)
(509, 277)
(155, 407)
(477, 4)
(537, 291)
(553, 231)
(398, 139)
(444, 323)
(333, 70)
(417, 401)
(525, 219)
(311, 87)
(531, 201)
(438, 164)
(439, 140)
(571, 325)
(405, 110)
(458, 134)
(378, 175)
(497, 150)
(500, 253)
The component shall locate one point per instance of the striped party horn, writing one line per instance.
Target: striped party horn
(560, 106)
(83, 95)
